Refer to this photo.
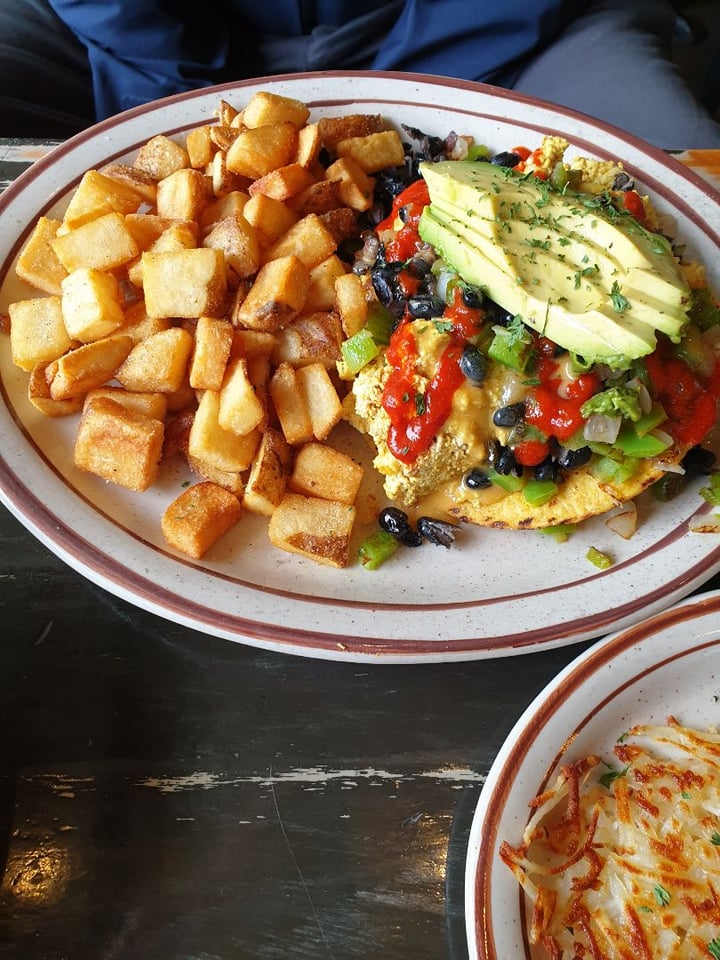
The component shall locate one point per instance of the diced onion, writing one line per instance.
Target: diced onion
(662, 436)
(669, 466)
(624, 521)
(704, 523)
(644, 398)
(601, 428)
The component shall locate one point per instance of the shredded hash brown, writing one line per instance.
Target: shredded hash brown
(624, 862)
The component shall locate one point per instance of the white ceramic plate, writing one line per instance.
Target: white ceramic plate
(495, 593)
(668, 664)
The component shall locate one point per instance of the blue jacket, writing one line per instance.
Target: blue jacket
(141, 50)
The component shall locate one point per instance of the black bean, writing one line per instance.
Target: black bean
(510, 415)
(425, 306)
(699, 460)
(505, 462)
(473, 363)
(395, 521)
(546, 470)
(570, 459)
(472, 297)
(477, 479)
(439, 532)
(507, 158)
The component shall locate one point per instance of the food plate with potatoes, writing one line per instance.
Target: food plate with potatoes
(178, 286)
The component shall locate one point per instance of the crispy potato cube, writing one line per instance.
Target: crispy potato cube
(104, 243)
(98, 194)
(290, 405)
(271, 218)
(375, 151)
(182, 398)
(160, 156)
(269, 473)
(283, 182)
(265, 108)
(309, 240)
(184, 283)
(238, 241)
(335, 129)
(91, 304)
(226, 113)
(321, 398)
(86, 367)
(317, 529)
(183, 194)
(159, 363)
(253, 343)
(319, 197)
(356, 187)
(199, 147)
(213, 343)
(351, 303)
(37, 331)
(146, 228)
(138, 325)
(139, 181)
(239, 411)
(153, 405)
(40, 397)
(321, 471)
(211, 443)
(199, 516)
(323, 277)
(222, 136)
(178, 235)
(228, 205)
(311, 338)
(277, 295)
(119, 444)
(309, 143)
(38, 264)
(223, 179)
(257, 151)
(341, 223)
(231, 480)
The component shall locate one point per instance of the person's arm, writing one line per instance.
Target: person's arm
(140, 51)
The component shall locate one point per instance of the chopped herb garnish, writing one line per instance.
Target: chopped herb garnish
(662, 896)
(420, 404)
(715, 839)
(619, 302)
(714, 948)
(612, 774)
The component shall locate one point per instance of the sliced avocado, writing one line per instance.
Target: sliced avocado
(585, 275)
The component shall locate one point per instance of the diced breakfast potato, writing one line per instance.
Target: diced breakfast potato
(38, 264)
(119, 444)
(37, 331)
(269, 473)
(199, 516)
(321, 471)
(314, 528)
(194, 303)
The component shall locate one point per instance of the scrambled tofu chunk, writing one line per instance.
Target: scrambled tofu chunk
(596, 175)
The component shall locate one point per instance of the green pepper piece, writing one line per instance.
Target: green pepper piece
(357, 351)
(598, 558)
(508, 482)
(648, 421)
(704, 312)
(608, 469)
(510, 350)
(376, 549)
(559, 532)
(537, 492)
(634, 445)
(379, 323)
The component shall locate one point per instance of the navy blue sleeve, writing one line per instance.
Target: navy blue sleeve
(473, 39)
(139, 51)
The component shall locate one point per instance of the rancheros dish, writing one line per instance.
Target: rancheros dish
(551, 355)
(513, 331)
(622, 860)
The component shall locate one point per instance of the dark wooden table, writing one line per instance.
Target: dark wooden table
(165, 794)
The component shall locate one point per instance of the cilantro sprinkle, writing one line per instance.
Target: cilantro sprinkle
(662, 896)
